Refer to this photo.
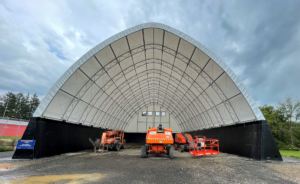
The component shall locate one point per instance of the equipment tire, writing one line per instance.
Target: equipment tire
(171, 152)
(117, 147)
(124, 144)
(144, 152)
(186, 147)
(175, 146)
(181, 148)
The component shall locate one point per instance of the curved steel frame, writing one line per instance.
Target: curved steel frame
(132, 95)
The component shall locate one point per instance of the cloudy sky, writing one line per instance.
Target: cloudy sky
(259, 40)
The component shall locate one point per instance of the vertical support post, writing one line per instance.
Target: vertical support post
(18, 128)
(169, 119)
(160, 115)
(4, 127)
(146, 120)
(146, 117)
(5, 108)
(153, 114)
(137, 121)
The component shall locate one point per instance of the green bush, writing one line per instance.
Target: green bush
(284, 146)
(288, 146)
(4, 148)
(279, 144)
(281, 126)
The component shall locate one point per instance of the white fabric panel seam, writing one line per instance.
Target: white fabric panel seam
(48, 98)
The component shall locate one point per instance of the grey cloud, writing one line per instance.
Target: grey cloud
(259, 40)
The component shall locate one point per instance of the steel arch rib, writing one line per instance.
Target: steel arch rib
(47, 99)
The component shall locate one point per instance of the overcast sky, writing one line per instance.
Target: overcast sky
(259, 40)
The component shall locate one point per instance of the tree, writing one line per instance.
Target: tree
(25, 103)
(297, 135)
(291, 110)
(34, 103)
(277, 123)
(26, 111)
(11, 102)
(2, 107)
(18, 105)
(19, 98)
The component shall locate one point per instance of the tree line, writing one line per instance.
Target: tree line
(283, 121)
(18, 105)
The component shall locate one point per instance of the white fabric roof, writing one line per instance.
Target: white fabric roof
(146, 64)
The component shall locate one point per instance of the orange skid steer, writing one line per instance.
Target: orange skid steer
(110, 140)
(158, 141)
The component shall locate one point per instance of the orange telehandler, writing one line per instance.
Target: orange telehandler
(110, 140)
(158, 141)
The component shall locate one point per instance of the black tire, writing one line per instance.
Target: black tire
(186, 147)
(175, 146)
(124, 144)
(171, 152)
(117, 147)
(181, 148)
(144, 152)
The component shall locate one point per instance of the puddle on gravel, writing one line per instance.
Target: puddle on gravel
(61, 179)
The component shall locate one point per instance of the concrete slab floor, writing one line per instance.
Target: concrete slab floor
(126, 166)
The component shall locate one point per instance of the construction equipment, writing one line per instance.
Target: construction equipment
(201, 146)
(182, 142)
(158, 141)
(110, 140)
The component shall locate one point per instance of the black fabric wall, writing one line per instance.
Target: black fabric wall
(56, 137)
(136, 137)
(252, 140)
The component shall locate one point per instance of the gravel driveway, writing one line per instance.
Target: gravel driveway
(126, 166)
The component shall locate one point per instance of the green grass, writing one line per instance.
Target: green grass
(4, 148)
(10, 137)
(288, 153)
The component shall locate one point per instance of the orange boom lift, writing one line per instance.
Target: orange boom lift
(201, 146)
(182, 142)
(158, 141)
(110, 140)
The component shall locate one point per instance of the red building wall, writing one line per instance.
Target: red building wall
(12, 130)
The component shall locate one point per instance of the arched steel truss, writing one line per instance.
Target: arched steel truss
(194, 98)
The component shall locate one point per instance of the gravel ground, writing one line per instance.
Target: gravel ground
(126, 166)
(6, 154)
